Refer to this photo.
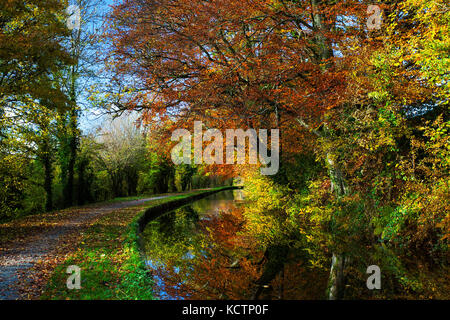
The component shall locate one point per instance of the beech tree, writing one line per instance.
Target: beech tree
(248, 63)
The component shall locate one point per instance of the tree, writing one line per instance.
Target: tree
(31, 52)
(314, 70)
(122, 154)
(75, 81)
(251, 64)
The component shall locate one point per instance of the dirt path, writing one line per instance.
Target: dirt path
(25, 242)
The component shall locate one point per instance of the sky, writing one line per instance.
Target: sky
(91, 117)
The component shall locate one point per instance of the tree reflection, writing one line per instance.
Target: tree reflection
(205, 251)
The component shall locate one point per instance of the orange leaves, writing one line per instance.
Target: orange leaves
(216, 261)
(238, 57)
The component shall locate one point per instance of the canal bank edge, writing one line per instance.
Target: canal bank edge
(109, 254)
(153, 212)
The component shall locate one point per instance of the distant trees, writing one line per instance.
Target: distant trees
(122, 154)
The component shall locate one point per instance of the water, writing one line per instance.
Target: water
(204, 251)
(177, 243)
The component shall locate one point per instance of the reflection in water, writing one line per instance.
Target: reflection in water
(179, 242)
(202, 251)
(217, 203)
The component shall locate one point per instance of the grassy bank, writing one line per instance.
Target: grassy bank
(109, 256)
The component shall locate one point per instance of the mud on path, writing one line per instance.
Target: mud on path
(44, 239)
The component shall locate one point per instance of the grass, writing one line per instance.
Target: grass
(139, 197)
(123, 199)
(110, 260)
(133, 198)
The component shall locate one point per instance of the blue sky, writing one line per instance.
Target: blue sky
(91, 118)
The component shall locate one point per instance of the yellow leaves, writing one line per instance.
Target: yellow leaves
(428, 43)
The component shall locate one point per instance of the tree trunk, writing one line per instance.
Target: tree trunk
(281, 288)
(116, 179)
(132, 181)
(72, 157)
(68, 137)
(324, 50)
(47, 177)
(81, 183)
(274, 257)
(324, 53)
(73, 140)
(336, 281)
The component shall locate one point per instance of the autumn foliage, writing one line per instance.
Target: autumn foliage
(363, 114)
(361, 102)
